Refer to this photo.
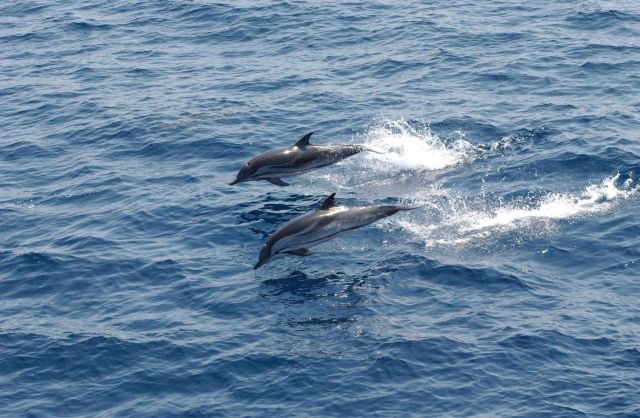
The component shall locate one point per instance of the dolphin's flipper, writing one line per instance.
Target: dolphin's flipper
(302, 252)
(304, 141)
(328, 203)
(277, 181)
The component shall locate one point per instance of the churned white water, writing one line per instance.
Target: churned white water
(453, 220)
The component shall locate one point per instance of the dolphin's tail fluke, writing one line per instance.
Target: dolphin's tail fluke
(392, 210)
(406, 207)
(369, 149)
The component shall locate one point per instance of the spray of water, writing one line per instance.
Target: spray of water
(456, 221)
(405, 150)
(412, 156)
(409, 148)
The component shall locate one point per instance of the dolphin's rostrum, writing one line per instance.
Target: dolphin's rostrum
(308, 230)
(298, 159)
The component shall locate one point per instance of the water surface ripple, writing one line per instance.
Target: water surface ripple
(126, 261)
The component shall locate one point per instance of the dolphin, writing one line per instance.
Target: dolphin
(297, 159)
(308, 230)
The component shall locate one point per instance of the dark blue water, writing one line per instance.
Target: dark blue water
(126, 280)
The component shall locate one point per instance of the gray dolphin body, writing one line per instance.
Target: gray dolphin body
(298, 159)
(308, 230)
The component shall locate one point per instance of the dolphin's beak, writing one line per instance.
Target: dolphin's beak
(261, 263)
(233, 182)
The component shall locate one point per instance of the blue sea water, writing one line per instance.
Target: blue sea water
(126, 279)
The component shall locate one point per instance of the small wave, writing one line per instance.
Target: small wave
(455, 221)
(601, 19)
(87, 26)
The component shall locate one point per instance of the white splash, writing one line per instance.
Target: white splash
(409, 170)
(453, 221)
(409, 148)
(594, 199)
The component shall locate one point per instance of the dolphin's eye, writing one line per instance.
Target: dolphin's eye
(248, 168)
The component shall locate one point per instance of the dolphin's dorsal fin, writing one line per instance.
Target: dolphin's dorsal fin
(304, 141)
(328, 202)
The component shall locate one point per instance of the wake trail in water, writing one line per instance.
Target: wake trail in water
(406, 170)
(449, 220)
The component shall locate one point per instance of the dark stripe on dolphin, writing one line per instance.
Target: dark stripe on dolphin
(321, 225)
(300, 158)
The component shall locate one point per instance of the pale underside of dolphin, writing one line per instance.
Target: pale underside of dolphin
(308, 230)
(300, 158)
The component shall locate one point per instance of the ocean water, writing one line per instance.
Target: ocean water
(126, 279)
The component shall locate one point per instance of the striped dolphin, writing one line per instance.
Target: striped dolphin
(308, 230)
(297, 159)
